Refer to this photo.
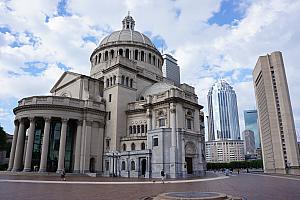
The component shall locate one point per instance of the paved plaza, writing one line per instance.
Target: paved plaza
(249, 186)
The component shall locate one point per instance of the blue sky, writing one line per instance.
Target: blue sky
(211, 39)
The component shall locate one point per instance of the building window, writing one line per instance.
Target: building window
(121, 52)
(124, 147)
(106, 56)
(143, 128)
(134, 129)
(107, 165)
(138, 129)
(136, 54)
(123, 80)
(108, 115)
(123, 165)
(127, 81)
(131, 83)
(161, 122)
(132, 165)
(109, 98)
(127, 53)
(189, 124)
(107, 82)
(132, 147)
(107, 144)
(155, 142)
(142, 56)
(143, 146)
(130, 129)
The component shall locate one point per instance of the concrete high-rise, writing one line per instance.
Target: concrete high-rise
(250, 118)
(171, 70)
(277, 128)
(223, 118)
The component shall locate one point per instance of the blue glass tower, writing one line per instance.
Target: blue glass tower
(250, 117)
(223, 118)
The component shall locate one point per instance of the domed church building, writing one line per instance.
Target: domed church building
(125, 119)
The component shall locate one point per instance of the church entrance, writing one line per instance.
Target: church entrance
(189, 165)
(92, 165)
(144, 165)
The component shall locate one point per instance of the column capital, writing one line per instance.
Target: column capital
(31, 119)
(172, 108)
(64, 120)
(79, 122)
(47, 118)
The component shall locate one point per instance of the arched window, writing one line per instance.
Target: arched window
(123, 165)
(96, 59)
(153, 60)
(114, 80)
(136, 54)
(127, 81)
(124, 147)
(134, 129)
(161, 119)
(121, 52)
(127, 53)
(131, 82)
(112, 54)
(107, 82)
(99, 58)
(142, 128)
(149, 60)
(132, 147)
(132, 165)
(138, 129)
(106, 56)
(143, 146)
(123, 80)
(130, 129)
(142, 56)
(145, 128)
(111, 81)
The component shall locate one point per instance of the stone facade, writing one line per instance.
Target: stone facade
(122, 120)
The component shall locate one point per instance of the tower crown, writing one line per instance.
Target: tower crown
(128, 22)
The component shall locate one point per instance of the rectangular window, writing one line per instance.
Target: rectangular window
(107, 165)
(161, 122)
(189, 124)
(107, 144)
(108, 115)
(155, 142)
(109, 97)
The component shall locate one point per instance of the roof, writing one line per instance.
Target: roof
(157, 88)
(126, 35)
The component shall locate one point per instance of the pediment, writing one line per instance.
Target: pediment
(65, 78)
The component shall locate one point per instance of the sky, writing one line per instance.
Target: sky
(211, 39)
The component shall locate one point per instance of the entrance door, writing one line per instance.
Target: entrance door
(189, 165)
(144, 164)
(92, 165)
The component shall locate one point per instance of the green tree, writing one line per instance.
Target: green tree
(3, 139)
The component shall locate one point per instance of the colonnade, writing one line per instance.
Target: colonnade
(17, 149)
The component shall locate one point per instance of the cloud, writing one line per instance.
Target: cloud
(41, 39)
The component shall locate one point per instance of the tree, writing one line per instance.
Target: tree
(3, 139)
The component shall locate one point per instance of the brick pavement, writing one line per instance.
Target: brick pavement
(245, 185)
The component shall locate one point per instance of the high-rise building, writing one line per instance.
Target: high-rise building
(223, 118)
(171, 70)
(224, 144)
(277, 128)
(249, 142)
(250, 117)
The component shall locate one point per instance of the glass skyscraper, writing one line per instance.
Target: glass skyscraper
(250, 117)
(223, 118)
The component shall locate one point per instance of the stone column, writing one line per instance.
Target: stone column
(43, 163)
(13, 146)
(78, 147)
(28, 156)
(173, 149)
(149, 120)
(20, 146)
(62, 145)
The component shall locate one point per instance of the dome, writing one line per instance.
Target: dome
(157, 88)
(127, 35)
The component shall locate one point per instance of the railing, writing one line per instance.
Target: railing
(58, 100)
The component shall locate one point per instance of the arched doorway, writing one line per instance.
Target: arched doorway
(144, 167)
(92, 165)
(190, 152)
